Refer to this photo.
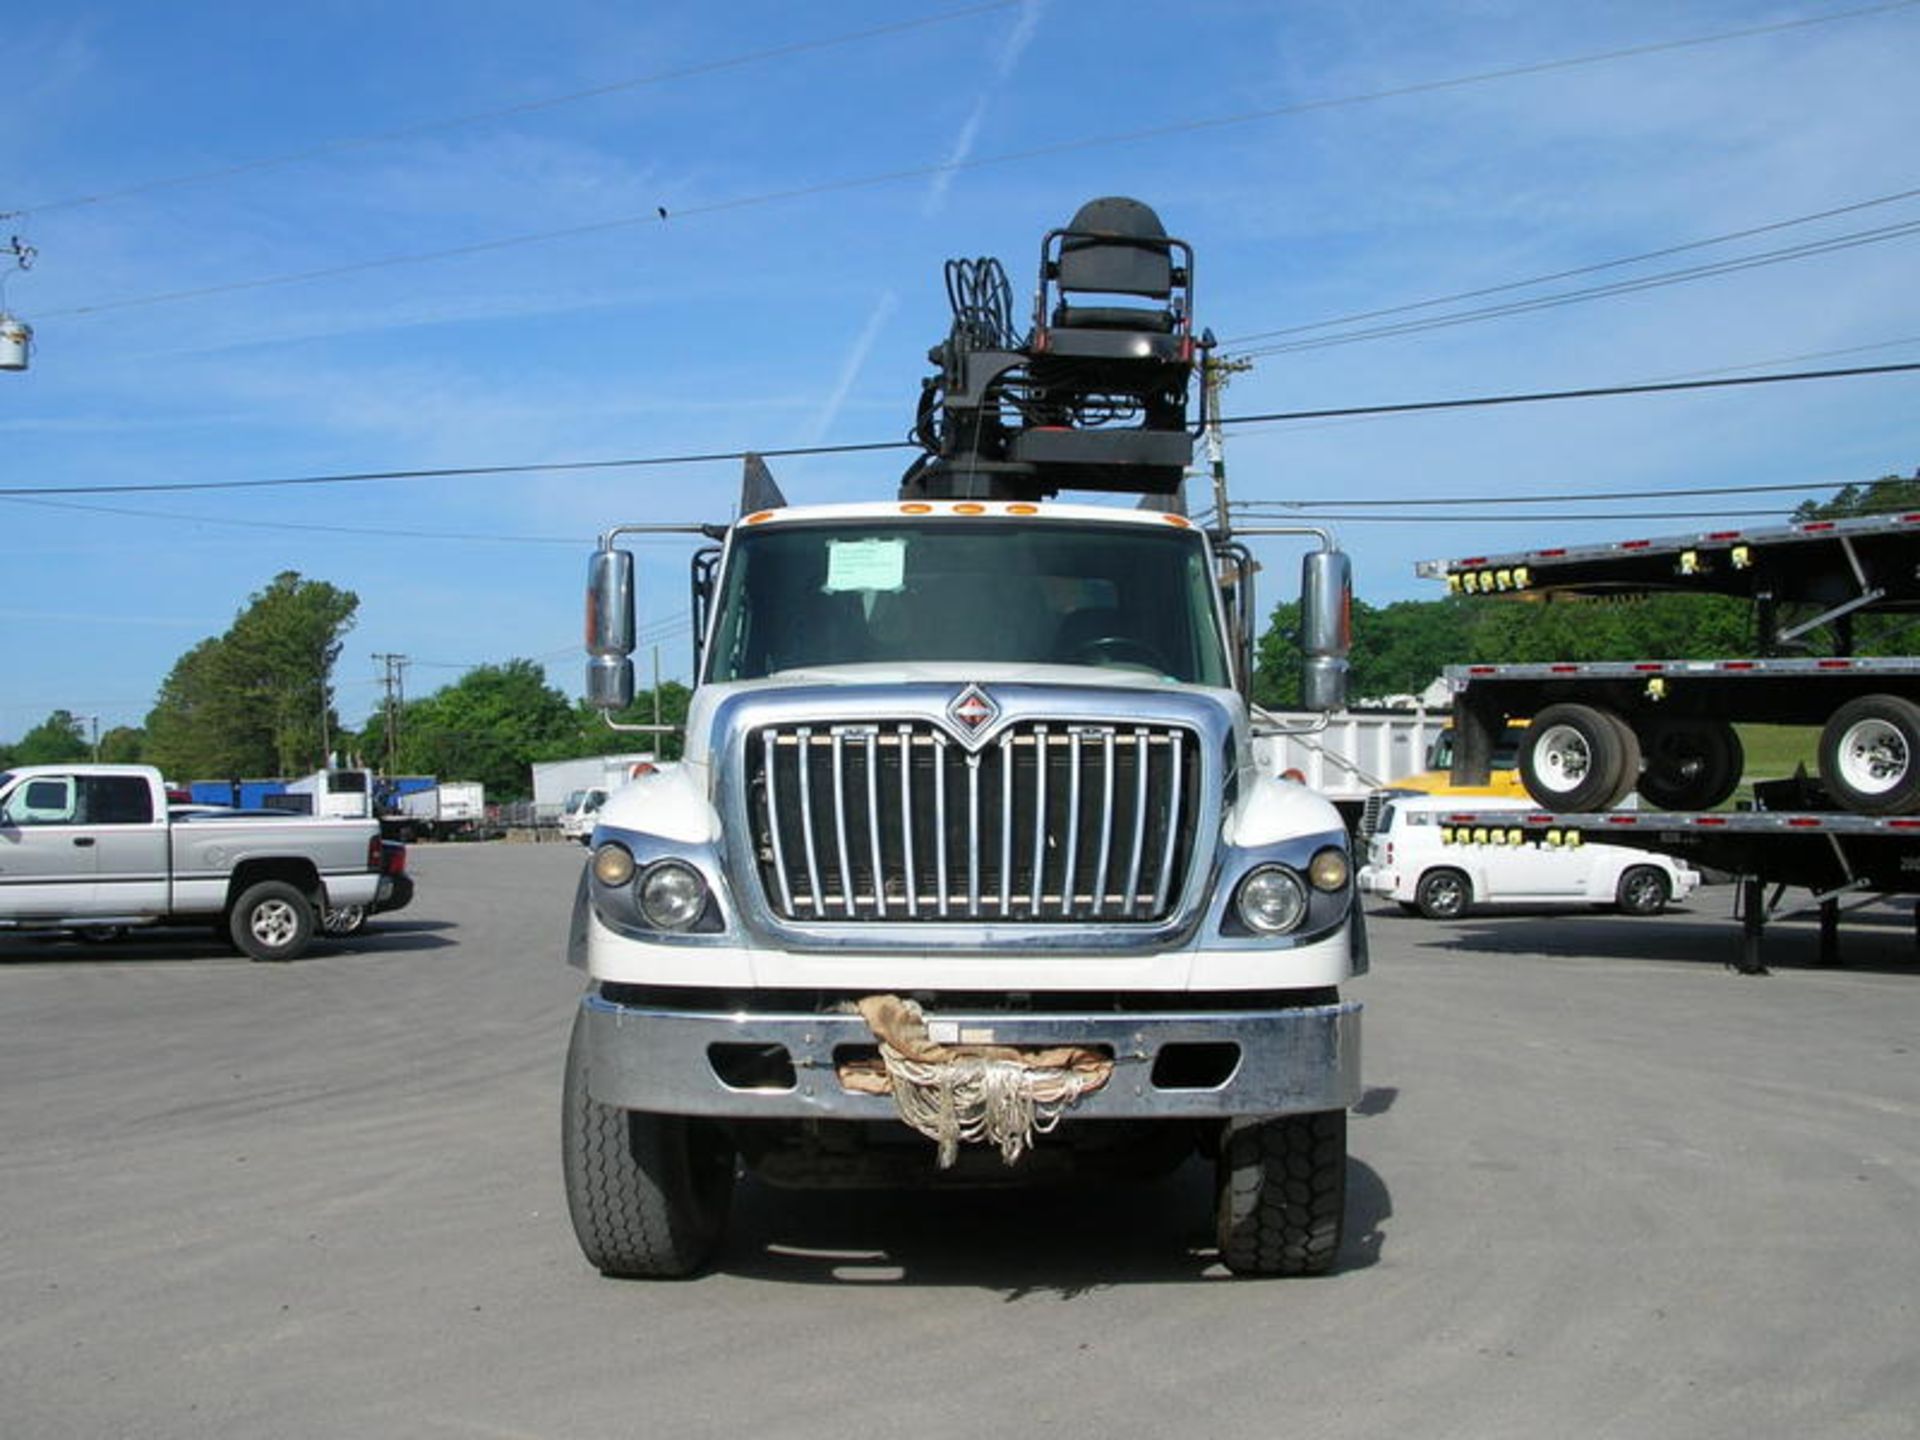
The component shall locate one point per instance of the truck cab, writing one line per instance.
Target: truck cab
(969, 867)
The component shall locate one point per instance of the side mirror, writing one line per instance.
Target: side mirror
(610, 630)
(1326, 629)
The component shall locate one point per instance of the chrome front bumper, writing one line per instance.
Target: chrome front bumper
(1289, 1061)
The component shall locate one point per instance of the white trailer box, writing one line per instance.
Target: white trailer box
(554, 781)
(453, 807)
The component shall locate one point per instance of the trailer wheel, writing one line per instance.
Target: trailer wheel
(1578, 757)
(1643, 890)
(1281, 1194)
(1443, 894)
(648, 1193)
(271, 921)
(1870, 755)
(343, 919)
(1691, 764)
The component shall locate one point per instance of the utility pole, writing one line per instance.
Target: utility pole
(396, 688)
(93, 726)
(16, 336)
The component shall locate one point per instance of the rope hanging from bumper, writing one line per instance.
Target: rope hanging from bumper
(1000, 1094)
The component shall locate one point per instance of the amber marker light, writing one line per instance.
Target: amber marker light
(916, 508)
(757, 517)
(1179, 522)
(1023, 509)
(969, 509)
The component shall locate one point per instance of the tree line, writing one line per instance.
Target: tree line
(257, 700)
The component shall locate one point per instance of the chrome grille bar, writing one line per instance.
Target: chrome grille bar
(1048, 823)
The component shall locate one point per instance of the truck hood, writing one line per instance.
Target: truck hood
(831, 679)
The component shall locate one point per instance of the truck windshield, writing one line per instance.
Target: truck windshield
(899, 591)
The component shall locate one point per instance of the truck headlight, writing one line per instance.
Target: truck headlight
(1271, 900)
(613, 865)
(671, 895)
(1329, 869)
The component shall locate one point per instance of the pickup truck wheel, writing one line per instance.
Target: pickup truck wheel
(1281, 1194)
(1870, 755)
(271, 921)
(1443, 894)
(343, 919)
(1691, 764)
(648, 1193)
(1577, 757)
(1643, 890)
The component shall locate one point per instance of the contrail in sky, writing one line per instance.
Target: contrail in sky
(850, 372)
(1011, 50)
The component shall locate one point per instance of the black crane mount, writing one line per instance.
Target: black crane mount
(1093, 397)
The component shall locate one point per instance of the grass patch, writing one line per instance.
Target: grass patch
(1774, 751)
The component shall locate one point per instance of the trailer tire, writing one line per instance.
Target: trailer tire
(1627, 780)
(1281, 1193)
(1870, 755)
(343, 919)
(1443, 894)
(271, 920)
(1578, 757)
(1691, 764)
(1643, 890)
(648, 1194)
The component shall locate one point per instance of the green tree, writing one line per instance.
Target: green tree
(258, 699)
(123, 745)
(486, 726)
(56, 740)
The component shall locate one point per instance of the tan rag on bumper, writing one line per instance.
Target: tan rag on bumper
(1000, 1093)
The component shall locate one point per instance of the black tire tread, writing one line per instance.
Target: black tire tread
(630, 1190)
(1283, 1194)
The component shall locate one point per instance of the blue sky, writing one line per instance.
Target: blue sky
(790, 295)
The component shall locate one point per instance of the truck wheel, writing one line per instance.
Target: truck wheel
(271, 921)
(1281, 1194)
(1691, 764)
(343, 919)
(648, 1193)
(1443, 894)
(1577, 757)
(1870, 755)
(1643, 890)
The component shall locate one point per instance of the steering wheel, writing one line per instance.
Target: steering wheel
(1122, 651)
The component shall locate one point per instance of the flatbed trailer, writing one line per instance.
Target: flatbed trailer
(1841, 860)
(1665, 727)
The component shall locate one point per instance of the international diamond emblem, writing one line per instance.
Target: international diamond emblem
(973, 710)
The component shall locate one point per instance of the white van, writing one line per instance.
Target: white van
(1439, 870)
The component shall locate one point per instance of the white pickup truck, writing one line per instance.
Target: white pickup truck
(93, 846)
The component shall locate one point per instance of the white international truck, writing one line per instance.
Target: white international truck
(969, 843)
(94, 848)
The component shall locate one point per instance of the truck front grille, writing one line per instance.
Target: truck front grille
(895, 821)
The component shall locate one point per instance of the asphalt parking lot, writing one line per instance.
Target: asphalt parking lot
(1599, 1186)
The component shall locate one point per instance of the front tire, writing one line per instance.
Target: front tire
(1281, 1194)
(1443, 894)
(1643, 890)
(272, 920)
(648, 1193)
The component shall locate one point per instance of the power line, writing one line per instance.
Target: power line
(1615, 264)
(1537, 396)
(1688, 492)
(920, 172)
(1570, 518)
(709, 457)
(1594, 292)
(425, 127)
(449, 472)
(382, 533)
